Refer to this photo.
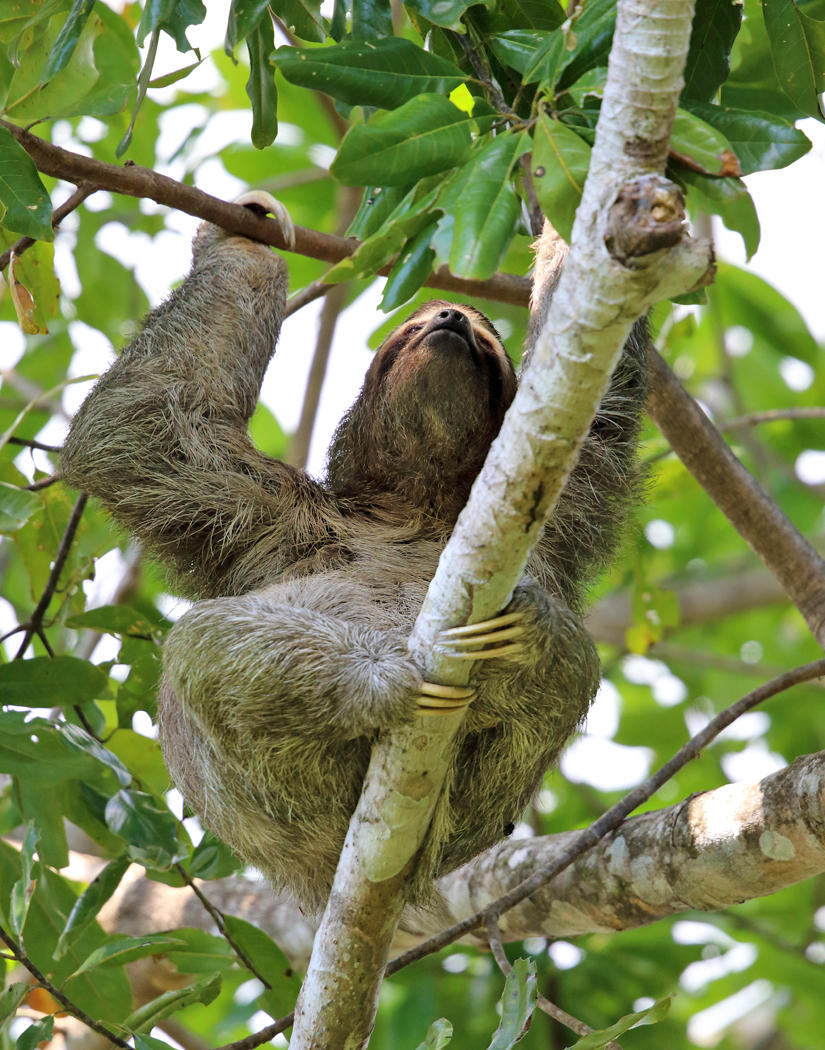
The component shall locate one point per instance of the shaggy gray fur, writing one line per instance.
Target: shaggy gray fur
(294, 658)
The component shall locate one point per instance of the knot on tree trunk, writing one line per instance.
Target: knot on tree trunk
(647, 215)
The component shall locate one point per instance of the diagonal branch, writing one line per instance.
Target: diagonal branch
(599, 297)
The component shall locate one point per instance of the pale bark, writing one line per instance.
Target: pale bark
(706, 853)
(596, 303)
(709, 852)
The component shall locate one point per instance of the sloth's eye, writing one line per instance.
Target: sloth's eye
(411, 329)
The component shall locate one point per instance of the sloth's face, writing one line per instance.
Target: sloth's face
(445, 357)
(433, 399)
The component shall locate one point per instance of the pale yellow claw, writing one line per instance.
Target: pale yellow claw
(492, 633)
(483, 625)
(436, 699)
(272, 206)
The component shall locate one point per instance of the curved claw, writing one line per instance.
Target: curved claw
(260, 200)
(435, 699)
(465, 643)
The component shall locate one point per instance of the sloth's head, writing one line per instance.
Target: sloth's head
(433, 399)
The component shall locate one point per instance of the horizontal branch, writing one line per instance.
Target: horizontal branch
(699, 602)
(710, 852)
(707, 853)
(136, 181)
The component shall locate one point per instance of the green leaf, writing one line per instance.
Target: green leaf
(212, 859)
(406, 220)
(147, 1016)
(371, 20)
(760, 140)
(48, 682)
(727, 198)
(244, 17)
(35, 270)
(426, 135)
(21, 893)
(91, 900)
(535, 54)
(591, 35)
(385, 74)
(376, 206)
(149, 829)
(517, 1004)
(79, 740)
(715, 25)
(303, 17)
(63, 48)
(173, 17)
(27, 208)
(798, 50)
(523, 14)
(261, 84)
(410, 270)
(652, 1014)
(485, 207)
(148, 1042)
(37, 1034)
(11, 997)
(742, 298)
(202, 952)
(123, 949)
(702, 144)
(29, 100)
(16, 507)
(438, 1035)
(560, 162)
(116, 619)
(445, 13)
(268, 960)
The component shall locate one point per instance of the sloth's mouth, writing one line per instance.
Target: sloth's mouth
(452, 334)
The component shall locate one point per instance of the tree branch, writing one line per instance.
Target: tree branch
(580, 842)
(707, 853)
(739, 496)
(136, 181)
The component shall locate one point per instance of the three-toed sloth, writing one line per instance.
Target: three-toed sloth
(294, 656)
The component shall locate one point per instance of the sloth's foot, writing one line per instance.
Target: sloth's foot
(435, 699)
(264, 203)
(495, 636)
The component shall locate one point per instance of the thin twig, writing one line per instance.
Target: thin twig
(218, 918)
(544, 1004)
(43, 483)
(774, 415)
(614, 816)
(264, 1036)
(35, 623)
(31, 443)
(314, 290)
(67, 1004)
(83, 191)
